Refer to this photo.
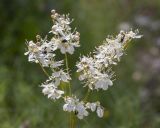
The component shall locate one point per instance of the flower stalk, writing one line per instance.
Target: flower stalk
(67, 68)
(45, 72)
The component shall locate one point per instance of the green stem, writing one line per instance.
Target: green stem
(70, 114)
(43, 69)
(67, 68)
(87, 94)
(126, 44)
(73, 120)
(70, 120)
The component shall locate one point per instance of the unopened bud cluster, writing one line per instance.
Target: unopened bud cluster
(94, 70)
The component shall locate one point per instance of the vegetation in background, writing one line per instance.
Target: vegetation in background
(133, 102)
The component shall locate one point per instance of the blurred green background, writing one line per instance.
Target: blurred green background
(133, 101)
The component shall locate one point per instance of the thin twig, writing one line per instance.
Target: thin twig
(87, 94)
(43, 69)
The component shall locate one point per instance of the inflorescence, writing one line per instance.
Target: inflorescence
(95, 71)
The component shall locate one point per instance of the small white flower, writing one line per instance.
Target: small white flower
(82, 77)
(81, 110)
(69, 105)
(85, 63)
(55, 64)
(61, 76)
(96, 106)
(32, 47)
(51, 90)
(55, 94)
(33, 51)
(91, 106)
(65, 47)
(100, 111)
(103, 83)
(133, 35)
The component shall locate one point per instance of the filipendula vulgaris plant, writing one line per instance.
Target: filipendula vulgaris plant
(94, 70)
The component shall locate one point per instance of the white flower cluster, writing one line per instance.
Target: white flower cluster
(51, 90)
(43, 52)
(63, 38)
(96, 71)
(72, 104)
(50, 87)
